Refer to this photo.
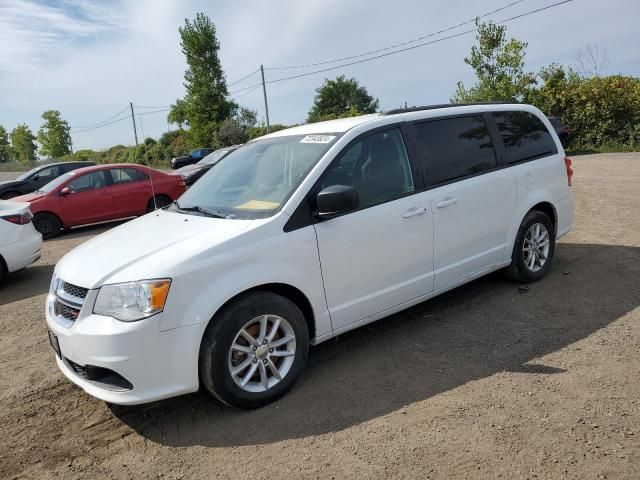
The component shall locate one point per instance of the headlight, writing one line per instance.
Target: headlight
(54, 284)
(132, 301)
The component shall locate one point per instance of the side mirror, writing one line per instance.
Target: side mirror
(65, 191)
(335, 200)
(35, 177)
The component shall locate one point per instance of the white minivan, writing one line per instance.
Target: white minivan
(301, 235)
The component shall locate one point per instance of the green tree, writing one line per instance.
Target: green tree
(237, 130)
(205, 104)
(53, 136)
(339, 98)
(23, 144)
(499, 67)
(5, 146)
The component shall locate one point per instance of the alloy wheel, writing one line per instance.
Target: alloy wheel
(535, 248)
(262, 353)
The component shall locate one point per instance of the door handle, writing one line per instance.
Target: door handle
(414, 212)
(446, 202)
(105, 193)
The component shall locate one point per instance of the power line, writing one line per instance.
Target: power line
(466, 32)
(391, 47)
(100, 126)
(246, 88)
(158, 106)
(155, 111)
(247, 93)
(104, 121)
(243, 78)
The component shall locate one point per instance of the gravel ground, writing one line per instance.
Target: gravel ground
(485, 381)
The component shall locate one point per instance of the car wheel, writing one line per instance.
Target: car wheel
(47, 224)
(534, 248)
(254, 350)
(9, 195)
(161, 201)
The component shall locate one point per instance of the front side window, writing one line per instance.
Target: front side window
(455, 147)
(256, 179)
(49, 173)
(377, 167)
(89, 181)
(524, 135)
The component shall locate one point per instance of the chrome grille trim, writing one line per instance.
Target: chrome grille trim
(68, 301)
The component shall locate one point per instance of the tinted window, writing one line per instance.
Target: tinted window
(524, 135)
(49, 173)
(377, 166)
(455, 147)
(89, 181)
(124, 175)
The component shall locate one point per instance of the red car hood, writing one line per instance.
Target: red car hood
(29, 197)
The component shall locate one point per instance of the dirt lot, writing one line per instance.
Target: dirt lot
(485, 381)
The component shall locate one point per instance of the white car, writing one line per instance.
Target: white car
(301, 235)
(20, 242)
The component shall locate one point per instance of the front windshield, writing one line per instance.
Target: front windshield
(26, 175)
(213, 158)
(257, 178)
(53, 184)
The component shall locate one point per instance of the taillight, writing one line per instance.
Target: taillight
(18, 218)
(567, 163)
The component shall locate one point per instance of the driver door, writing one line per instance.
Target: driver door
(89, 199)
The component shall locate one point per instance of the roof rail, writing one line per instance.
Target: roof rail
(396, 111)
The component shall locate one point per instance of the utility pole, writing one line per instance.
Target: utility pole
(70, 139)
(264, 91)
(133, 119)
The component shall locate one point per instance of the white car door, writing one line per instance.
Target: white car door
(472, 199)
(380, 255)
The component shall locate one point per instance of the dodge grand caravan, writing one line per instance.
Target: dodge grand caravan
(301, 235)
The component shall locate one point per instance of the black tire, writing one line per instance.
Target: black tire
(518, 270)
(9, 195)
(161, 201)
(220, 335)
(47, 224)
(3, 269)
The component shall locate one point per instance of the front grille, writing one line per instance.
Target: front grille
(65, 311)
(74, 290)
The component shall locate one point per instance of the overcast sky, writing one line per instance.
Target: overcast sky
(90, 58)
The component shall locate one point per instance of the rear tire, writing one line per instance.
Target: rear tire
(161, 201)
(47, 224)
(275, 353)
(9, 195)
(533, 249)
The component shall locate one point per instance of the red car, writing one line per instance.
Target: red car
(100, 193)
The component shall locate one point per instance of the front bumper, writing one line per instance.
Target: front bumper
(157, 364)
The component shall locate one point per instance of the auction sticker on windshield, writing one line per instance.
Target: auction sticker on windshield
(317, 139)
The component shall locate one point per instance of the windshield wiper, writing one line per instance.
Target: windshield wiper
(196, 208)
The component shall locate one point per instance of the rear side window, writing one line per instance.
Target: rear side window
(524, 135)
(455, 147)
(125, 175)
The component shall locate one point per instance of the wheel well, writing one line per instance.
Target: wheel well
(3, 267)
(290, 293)
(546, 207)
(49, 213)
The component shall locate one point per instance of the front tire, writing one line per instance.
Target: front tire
(47, 224)
(533, 249)
(254, 350)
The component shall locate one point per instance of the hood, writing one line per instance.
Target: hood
(151, 246)
(182, 157)
(10, 207)
(28, 198)
(11, 183)
(189, 169)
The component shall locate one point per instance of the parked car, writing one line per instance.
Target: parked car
(100, 193)
(191, 173)
(300, 236)
(38, 177)
(561, 130)
(194, 157)
(19, 241)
